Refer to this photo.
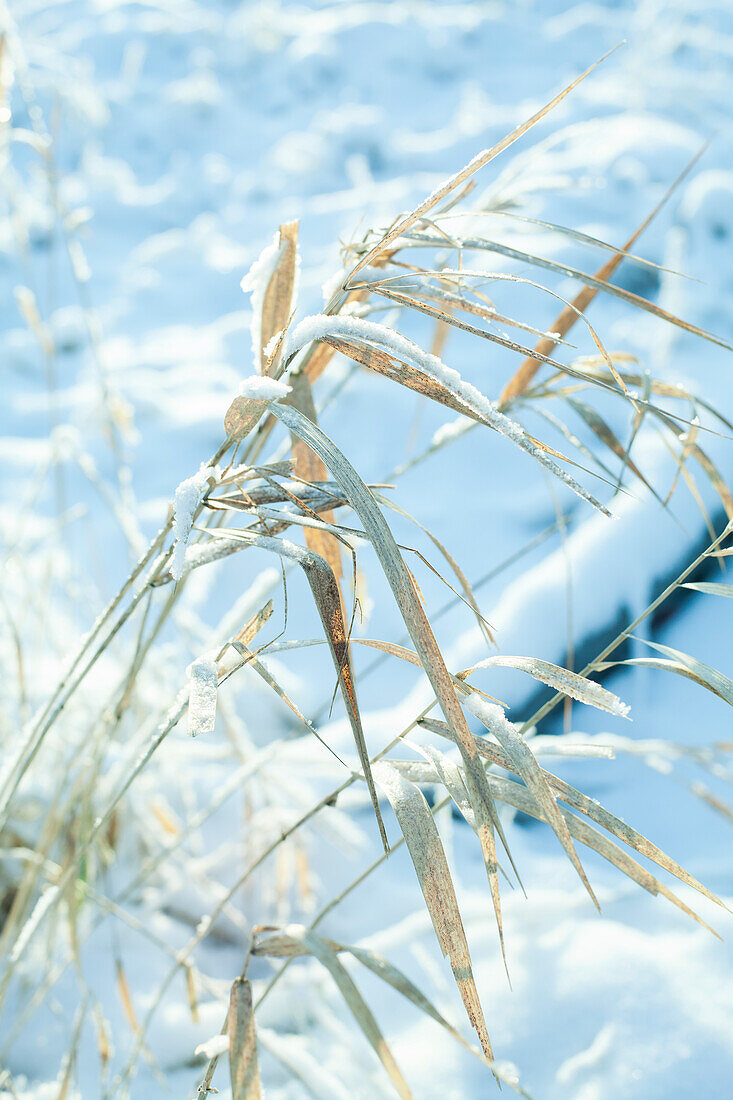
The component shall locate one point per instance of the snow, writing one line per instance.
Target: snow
(262, 388)
(255, 283)
(166, 143)
(203, 676)
(186, 500)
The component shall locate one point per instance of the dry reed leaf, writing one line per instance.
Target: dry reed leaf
(452, 779)
(126, 997)
(683, 665)
(242, 416)
(278, 301)
(711, 588)
(407, 375)
(589, 807)
(581, 276)
(428, 858)
(567, 318)
(600, 428)
(328, 958)
(413, 614)
(561, 679)
(478, 162)
(251, 660)
(243, 1067)
(327, 598)
(191, 993)
(252, 628)
(310, 468)
(525, 764)
(282, 946)
(516, 795)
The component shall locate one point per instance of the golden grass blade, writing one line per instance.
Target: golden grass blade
(242, 416)
(428, 858)
(328, 958)
(278, 301)
(525, 764)
(310, 467)
(478, 162)
(243, 1066)
(252, 628)
(600, 428)
(567, 318)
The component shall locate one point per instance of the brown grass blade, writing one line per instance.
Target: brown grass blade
(310, 467)
(525, 764)
(326, 596)
(590, 808)
(607, 436)
(278, 302)
(428, 858)
(567, 318)
(243, 1066)
(484, 413)
(478, 162)
(326, 955)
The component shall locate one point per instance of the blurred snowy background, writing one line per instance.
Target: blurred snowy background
(149, 151)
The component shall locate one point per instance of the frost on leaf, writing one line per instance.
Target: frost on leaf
(185, 502)
(203, 679)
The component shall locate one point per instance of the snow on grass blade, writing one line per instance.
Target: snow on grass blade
(526, 766)
(682, 664)
(202, 675)
(428, 858)
(278, 298)
(243, 1067)
(561, 679)
(186, 500)
(464, 397)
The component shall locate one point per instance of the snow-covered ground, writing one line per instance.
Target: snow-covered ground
(156, 148)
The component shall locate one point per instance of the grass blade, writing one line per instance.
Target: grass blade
(243, 1067)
